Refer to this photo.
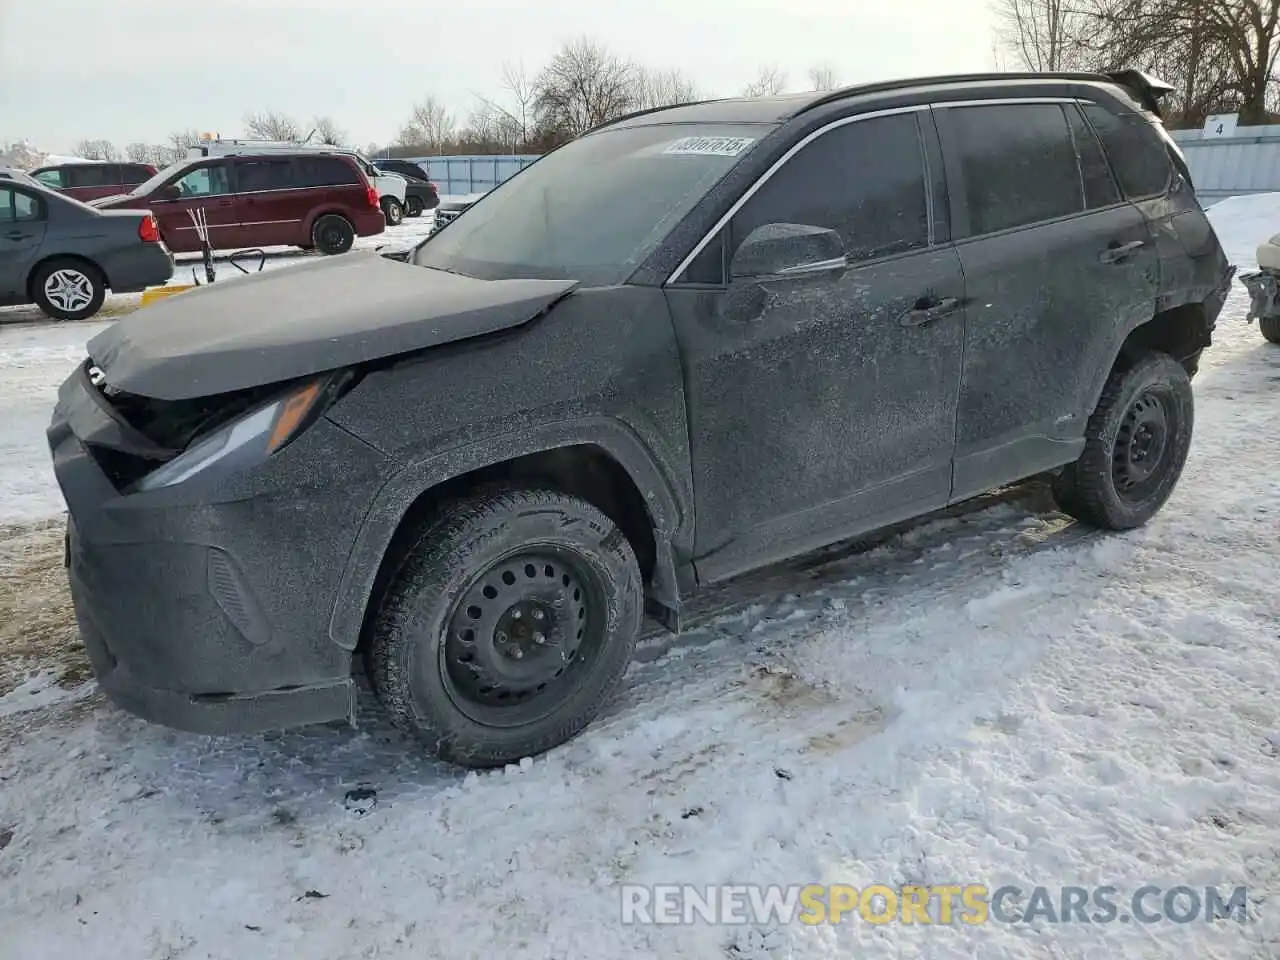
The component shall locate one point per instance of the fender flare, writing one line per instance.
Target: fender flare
(666, 513)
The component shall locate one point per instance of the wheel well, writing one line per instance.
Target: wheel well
(85, 261)
(583, 471)
(1182, 332)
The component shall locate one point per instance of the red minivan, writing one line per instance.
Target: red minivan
(312, 199)
(89, 180)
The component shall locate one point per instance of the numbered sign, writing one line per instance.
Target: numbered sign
(1221, 125)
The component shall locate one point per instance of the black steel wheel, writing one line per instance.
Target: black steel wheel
(507, 626)
(1270, 327)
(1136, 445)
(333, 234)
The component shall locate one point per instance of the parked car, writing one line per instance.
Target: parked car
(92, 179)
(422, 194)
(63, 255)
(391, 189)
(310, 199)
(1264, 289)
(688, 344)
(19, 176)
(452, 208)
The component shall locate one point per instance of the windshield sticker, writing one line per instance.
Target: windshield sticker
(711, 146)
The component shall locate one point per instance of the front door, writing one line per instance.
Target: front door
(822, 400)
(22, 228)
(1058, 268)
(207, 188)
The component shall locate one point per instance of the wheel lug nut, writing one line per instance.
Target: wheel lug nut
(517, 653)
(502, 638)
(539, 638)
(538, 614)
(515, 614)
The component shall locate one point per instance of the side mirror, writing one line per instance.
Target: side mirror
(787, 249)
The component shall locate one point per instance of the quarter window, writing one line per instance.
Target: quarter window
(1099, 188)
(865, 180)
(1136, 151)
(325, 172)
(1019, 164)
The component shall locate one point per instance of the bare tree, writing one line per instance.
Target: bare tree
(508, 123)
(430, 126)
(96, 150)
(327, 131)
(180, 141)
(20, 155)
(768, 83)
(663, 88)
(823, 77)
(270, 125)
(1043, 34)
(582, 87)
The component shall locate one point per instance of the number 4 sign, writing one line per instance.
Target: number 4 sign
(1221, 125)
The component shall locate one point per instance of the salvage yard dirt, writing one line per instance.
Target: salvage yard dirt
(37, 625)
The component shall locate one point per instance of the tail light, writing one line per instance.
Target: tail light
(432, 185)
(149, 230)
(371, 193)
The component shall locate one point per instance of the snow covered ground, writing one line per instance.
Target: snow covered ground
(994, 697)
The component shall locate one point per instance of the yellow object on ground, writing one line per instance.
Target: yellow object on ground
(160, 293)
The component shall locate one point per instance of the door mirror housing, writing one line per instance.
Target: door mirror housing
(787, 249)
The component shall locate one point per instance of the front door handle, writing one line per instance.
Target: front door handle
(18, 235)
(1119, 252)
(927, 310)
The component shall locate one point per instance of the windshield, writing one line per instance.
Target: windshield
(592, 210)
(148, 185)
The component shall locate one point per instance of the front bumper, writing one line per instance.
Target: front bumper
(206, 607)
(1264, 289)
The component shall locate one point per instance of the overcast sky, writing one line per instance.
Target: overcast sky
(134, 70)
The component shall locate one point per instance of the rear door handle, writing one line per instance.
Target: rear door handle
(1118, 252)
(929, 309)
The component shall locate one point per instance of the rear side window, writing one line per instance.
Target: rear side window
(254, 176)
(90, 175)
(1019, 164)
(134, 173)
(1099, 187)
(17, 207)
(325, 172)
(865, 180)
(1136, 152)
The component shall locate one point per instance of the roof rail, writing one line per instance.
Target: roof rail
(648, 110)
(1145, 87)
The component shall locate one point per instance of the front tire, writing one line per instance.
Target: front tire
(1136, 445)
(1270, 327)
(333, 234)
(67, 289)
(507, 627)
(393, 210)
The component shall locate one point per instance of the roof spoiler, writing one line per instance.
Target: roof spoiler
(1148, 89)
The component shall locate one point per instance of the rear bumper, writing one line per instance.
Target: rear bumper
(370, 223)
(134, 269)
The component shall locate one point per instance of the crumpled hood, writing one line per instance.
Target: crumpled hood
(298, 320)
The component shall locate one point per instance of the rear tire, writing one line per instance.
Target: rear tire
(333, 234)
(1136, 444)
(68, 289)
(506, 628)
(1270, 327)
(412, 207)
(393, 210)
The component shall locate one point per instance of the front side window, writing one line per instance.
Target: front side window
(50, 178)
(865, 180)
(1019, 164)
(593, 210)
(207, 181)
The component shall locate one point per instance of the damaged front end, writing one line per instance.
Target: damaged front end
(1263, 286)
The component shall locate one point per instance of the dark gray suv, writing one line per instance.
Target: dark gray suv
(691, 343)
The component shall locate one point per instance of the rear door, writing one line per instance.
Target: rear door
(273, 204)
(207, 188)
(1058, 267)
(23, 216)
